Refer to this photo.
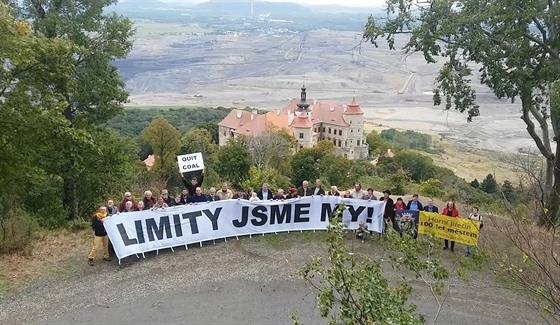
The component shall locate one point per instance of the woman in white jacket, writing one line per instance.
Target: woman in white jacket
(475, 216)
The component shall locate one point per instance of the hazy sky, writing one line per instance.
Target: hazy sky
(360, 3)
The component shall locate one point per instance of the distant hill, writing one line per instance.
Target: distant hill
(243, 8)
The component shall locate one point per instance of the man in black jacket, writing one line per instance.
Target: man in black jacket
(194, 183)
(304, 189)
(318, 189)
(264, 193)
(431, 207)
(389, 213)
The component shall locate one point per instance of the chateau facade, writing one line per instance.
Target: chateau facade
(308, 123)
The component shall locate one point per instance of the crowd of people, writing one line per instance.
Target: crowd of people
(192, 193)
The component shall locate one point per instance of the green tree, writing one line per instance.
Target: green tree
(213, 130)
(508, 191)
(353, 289)
(92, 92)
(258, 176)
(489, 184)
(270, 147)
(431, 187)
(32, 129)
(165, 141)
(376, 144)
(396, 182)
(514, 46)
(306, 165)
(199, 140)
(475, 183)
(233, 161)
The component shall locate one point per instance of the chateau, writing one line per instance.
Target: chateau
(308, 123)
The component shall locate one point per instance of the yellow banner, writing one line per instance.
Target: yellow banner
(464, 231)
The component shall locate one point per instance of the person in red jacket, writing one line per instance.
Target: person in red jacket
(450, 211)
(127, 197)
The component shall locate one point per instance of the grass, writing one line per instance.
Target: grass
(52, 252)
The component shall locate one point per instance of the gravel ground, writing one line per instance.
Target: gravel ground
(248, 282)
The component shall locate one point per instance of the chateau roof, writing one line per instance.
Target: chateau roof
(354, 108)
(302, 121)
(328, 112)
(322, 112)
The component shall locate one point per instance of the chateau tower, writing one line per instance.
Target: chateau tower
(354, 116)
(303, 128)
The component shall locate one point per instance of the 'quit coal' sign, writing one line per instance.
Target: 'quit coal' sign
(190, 162)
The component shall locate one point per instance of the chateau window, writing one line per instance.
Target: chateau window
(339, 143)
(301, 135)
(339, 132)
(351, 131)
(323, 129)
(358, 142)
(329, 130)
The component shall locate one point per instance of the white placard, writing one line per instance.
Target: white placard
(190, 162)
(143, 231)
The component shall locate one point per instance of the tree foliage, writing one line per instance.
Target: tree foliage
(351, 288)
(432, 188)
(273, 147)
(258, 176)
(515, 47)
(134, 120)
(321, 162)
(489, 184)
(233, 161)
(165, 141)
(60, 84)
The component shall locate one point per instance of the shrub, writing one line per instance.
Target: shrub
(17, 227)
(432, 188)
(78, 224)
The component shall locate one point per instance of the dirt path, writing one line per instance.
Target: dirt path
(248, 281)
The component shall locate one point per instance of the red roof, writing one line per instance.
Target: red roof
(248, 123)
(354, 108)
(149, 162)
(302, 121)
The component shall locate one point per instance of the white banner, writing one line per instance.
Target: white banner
(190, 162)
(143, 231)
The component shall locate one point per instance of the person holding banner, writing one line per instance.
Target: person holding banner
(389, 210)
(280, 195)
(225, 193)
(160, 204)
(400, 204)
(212, 197)
(100, 239)
(149, 201)
(450, 211)
(334, 191)
(431, 207)
(414, 204)
(264, 193)
(475, 216)
(185, 197)
(198, 196)
(127, 198)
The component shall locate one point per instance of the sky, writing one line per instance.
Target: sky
(352, 3)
